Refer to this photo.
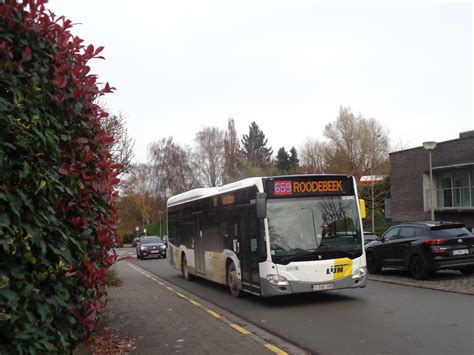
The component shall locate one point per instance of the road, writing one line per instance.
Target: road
(383, 318)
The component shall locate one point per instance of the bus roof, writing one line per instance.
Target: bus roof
(197, 194)
(204, 192)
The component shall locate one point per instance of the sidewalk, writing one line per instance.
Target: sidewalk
(146, 315)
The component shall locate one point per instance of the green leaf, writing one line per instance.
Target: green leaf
(41, 185)
(4, 220)
(9, 295)
(28, 255)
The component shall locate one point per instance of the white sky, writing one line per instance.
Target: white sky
(288, 65)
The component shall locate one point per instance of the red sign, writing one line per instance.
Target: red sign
(283, 188)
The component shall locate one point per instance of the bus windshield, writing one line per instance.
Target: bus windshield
(302, 226)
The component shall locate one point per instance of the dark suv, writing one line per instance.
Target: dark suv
(150, 246)
(423, 247)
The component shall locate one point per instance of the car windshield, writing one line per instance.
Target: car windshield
(151, 240)
(300, 226)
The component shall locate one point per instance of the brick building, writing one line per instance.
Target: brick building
(453, 182)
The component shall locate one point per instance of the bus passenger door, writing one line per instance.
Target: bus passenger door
(249, 256)
(198, 238)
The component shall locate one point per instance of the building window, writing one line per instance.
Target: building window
(455, 189)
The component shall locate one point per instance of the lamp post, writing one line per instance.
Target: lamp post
(429, 146)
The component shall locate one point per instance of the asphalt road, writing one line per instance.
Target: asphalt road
(383, 318)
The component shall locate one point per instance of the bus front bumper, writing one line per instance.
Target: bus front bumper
(269, 290)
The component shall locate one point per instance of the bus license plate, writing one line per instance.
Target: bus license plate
(461, 252)
(323, 287)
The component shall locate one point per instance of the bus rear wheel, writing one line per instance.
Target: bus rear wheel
(184, 269)
(233, 281)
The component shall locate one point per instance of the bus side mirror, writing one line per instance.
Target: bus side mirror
(261, 205)
(363, 213)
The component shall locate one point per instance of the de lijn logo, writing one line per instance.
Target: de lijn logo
(338, 269)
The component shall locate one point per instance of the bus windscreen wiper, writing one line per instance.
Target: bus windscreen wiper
(344, 252)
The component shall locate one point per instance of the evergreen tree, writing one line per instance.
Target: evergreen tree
(283, 160)
(254, 147)
(293, 159)
(231, 152)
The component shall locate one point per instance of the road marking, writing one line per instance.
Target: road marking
(214, 314)
(181, 295)
(276, 350)
(195, 303)
(239, 328)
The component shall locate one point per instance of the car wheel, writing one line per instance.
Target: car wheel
(373, 265)
(233, 281)
(467, 270)
(184, 269)
(418, 268)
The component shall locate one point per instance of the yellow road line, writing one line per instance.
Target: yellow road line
(239, 328)
(276, 350)
(181, 295)
(214, 314)
(195, 303)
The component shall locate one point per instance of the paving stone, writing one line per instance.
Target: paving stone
(445, 280)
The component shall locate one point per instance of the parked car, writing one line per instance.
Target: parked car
(150, 246)
(135, 241)
(369, 237)
(422, 248)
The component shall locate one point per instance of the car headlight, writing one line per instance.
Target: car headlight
(163, 247)
(359, 273)
(277, 280)
(142, 248)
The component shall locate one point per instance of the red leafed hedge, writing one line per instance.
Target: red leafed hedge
(57, 199)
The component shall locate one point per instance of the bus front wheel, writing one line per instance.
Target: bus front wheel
(184, 269)
(233, 281)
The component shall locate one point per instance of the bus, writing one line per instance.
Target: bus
(271, 236)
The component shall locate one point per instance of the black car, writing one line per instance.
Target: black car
(422, 248)
(151, 246)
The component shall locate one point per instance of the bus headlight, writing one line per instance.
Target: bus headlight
(277, 280)
(359, 273)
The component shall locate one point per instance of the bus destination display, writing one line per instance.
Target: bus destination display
(288, 188)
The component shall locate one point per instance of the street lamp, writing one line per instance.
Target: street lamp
(429, 146)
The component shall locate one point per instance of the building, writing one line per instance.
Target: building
(453, 182)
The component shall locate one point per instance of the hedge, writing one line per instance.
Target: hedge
(57, 179)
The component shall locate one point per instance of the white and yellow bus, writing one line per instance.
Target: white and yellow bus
(271, 236)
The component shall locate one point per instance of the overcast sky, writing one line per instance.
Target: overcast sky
(288, 65)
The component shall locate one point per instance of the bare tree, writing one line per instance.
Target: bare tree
(232, 163)
(172, 167)
(209, 156)
(122, 148)
(313, 155)
(138, 188)
(357, 145)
